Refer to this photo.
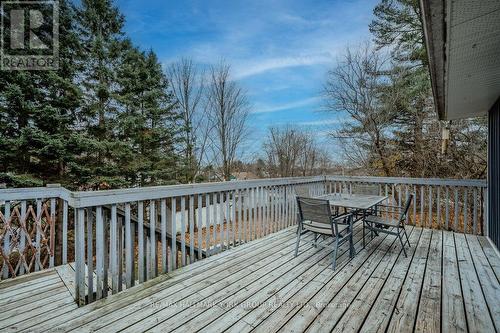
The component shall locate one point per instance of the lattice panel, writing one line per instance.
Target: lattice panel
(27, 239)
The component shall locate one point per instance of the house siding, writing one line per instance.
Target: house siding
(494, 174)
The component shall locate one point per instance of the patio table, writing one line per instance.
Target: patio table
(357, 202)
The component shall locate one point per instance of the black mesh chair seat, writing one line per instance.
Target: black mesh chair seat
(315, 217)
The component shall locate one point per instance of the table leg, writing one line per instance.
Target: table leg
(363, 233)
(352, 251)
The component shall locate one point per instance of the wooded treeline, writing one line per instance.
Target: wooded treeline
(382, 90)
(111, 116)
(291, 152)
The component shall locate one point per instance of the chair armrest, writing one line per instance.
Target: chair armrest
(342, 217)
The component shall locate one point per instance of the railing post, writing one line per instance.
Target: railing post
(38, 226)
(163, 214)
(485, 222)
(23, 234)
(6, 240)
(173, 242)
(90, 255)
(191, 228)
(208, 218)
(152, 238)
(113, 249)
(200, 224)
(80, 255)
(100, 249)
(140, 242)
(55, 229)
(65, 233)
(129, 248)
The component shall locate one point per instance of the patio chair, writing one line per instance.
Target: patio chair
(384, 224)
(367, 189)
(315, 217)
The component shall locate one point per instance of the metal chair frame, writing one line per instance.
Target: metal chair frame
(328, 220)
(380, 226)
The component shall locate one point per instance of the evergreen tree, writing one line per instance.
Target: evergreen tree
(105, 118)
(37, 114)
(101, 33)
(148, 120)
(397, 26)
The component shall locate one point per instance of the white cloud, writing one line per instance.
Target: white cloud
(262, 66)
(286, 106)
(323, 122)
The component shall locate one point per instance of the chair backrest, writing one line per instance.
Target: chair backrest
(404, 213)
(302, 191)
(314, 210)
(369, 189)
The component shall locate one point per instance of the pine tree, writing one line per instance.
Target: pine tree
(148, 120)
(101, 33)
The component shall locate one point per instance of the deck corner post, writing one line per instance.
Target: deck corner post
(485, 222)
(80, 256)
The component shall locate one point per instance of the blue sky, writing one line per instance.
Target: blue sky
(279, 50)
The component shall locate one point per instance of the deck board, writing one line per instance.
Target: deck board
(487, 279)
(211, 289)
(448, 282)
(298, 289)
(355, 316)
(295, 281)
(30, 300)
(217, 277)
(333, 311)
(327, 296)
(453, 310)
(476, 309)
(405, 311)
(429, 309)
(491, 254)
(146, 292)
(381, 310)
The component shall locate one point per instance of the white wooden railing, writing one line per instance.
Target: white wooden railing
(129, 236)
(449, 204)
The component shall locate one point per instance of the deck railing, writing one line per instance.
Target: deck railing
(33, 229)
(124, 237)
(449, 204)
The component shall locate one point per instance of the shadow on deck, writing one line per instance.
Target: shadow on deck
(448, 282)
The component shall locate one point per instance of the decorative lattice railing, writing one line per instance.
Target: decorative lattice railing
(33, 231)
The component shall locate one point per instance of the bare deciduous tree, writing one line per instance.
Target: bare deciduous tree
(353, 87)
(292, 152)
(309, 155)
(228, 110)
(187, 83)
(282, 149)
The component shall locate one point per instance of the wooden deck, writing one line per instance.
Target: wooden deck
(27, 301)
(448, 282)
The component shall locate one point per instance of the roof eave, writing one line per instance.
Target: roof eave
(433, 22)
